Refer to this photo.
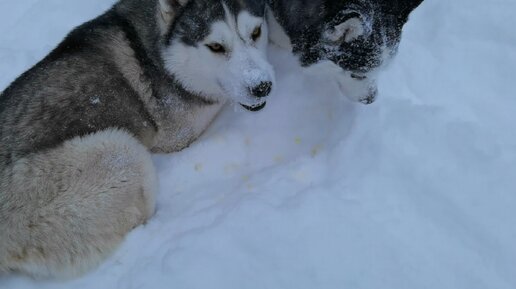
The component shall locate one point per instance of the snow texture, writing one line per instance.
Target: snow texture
(415, 191)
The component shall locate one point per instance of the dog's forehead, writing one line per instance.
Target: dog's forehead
(205, 10)
(254, 7)
(199, 16)
(196, 21)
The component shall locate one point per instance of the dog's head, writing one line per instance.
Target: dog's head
(217, 49)
(356, 38)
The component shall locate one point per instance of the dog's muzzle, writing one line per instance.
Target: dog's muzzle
(372, 91)
(260, 91)
(370, 98)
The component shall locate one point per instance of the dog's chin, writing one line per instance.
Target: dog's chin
(254, 108)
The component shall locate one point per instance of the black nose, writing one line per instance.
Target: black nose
(370, 98)
(262, 90)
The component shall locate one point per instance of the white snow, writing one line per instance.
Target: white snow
(415, 191)
(94, 100)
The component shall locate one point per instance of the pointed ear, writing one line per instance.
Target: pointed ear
(168, 6)
(407, 6)
(347, 31)
(167, 11)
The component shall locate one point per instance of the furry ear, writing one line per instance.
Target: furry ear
(168, 6)
(401, 8)
(348, 30)
(167, 11)
(407, 6)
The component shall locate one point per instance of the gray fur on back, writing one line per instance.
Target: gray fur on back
(106, 74)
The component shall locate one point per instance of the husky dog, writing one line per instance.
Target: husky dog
(350, 39)
(76, 130)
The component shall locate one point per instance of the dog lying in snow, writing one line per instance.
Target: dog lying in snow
(149, 75)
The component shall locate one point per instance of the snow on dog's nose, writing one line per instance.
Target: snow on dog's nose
(259, 82)
(370, 97)
(258, 79)
(262, 90)
(259, 91)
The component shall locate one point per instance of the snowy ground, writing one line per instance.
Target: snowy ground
(416, 191)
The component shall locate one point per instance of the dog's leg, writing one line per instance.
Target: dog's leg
(65, 210)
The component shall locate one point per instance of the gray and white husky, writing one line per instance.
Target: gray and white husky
(77, 129)
(350, 39)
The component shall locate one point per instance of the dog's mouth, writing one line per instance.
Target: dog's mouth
(254, 108)
(358, 76)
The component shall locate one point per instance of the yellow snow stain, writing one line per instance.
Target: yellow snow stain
(221, 198)
(230, 168)
(278, 159)
(298, 140)
(198, 167)
(316, 150)
(300, 175)
(246, 178)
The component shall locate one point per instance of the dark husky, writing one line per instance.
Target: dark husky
(149, 75)
(351, 39)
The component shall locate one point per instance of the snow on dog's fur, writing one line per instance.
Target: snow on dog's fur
(229, 61)
(77, 129)
(346, 40)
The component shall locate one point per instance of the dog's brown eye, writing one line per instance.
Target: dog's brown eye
(216, 48)
(256, 33)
